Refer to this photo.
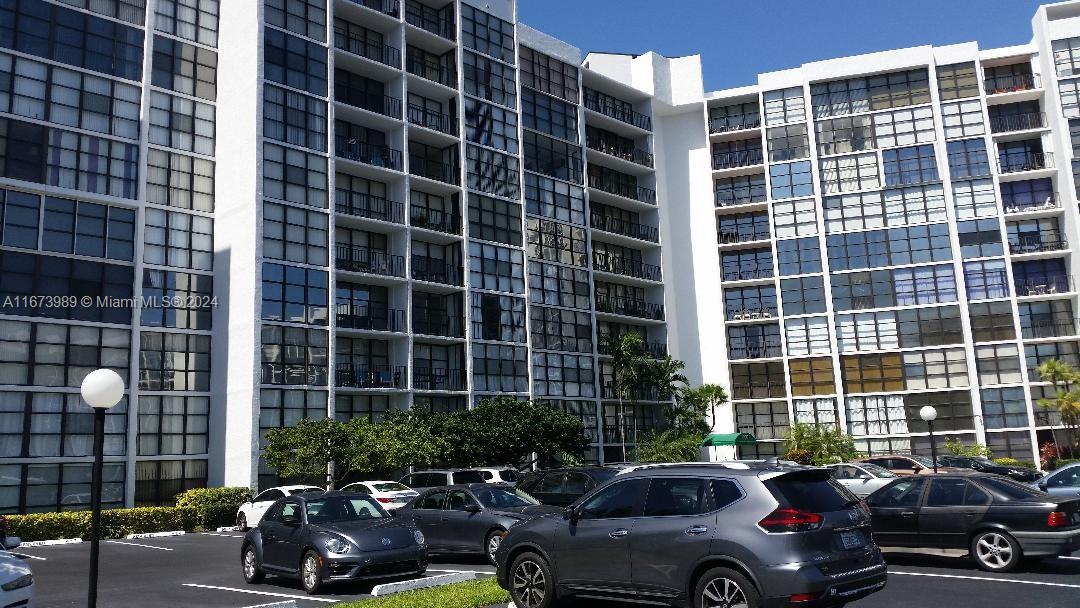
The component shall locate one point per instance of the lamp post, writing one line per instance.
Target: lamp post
(101, 389)
(929, 414)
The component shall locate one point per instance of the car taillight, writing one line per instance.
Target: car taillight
(1057, 518)
(805, 597)
(384, 500)
(791, 520)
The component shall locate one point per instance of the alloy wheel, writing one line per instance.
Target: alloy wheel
(994, 550)
(493, 545)
(528, 584)
(311, 571)
(723, 593)
(249, 563)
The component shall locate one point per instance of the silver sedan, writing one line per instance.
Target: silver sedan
(861, 478)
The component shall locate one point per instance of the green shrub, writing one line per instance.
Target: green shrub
(1012, 462)
(216, 506)
(800, 456)
(116, 523)
(469, 594)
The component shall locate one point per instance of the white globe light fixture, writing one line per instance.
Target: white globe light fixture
(929, 414)
(102, 389)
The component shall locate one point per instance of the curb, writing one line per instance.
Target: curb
(46, 543)
(420, 583)
(239, 529)
(285, 604)
(155, 534)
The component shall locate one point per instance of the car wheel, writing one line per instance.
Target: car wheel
(310, 577)
(241, 521)
(491, 545)
(995, 551)
(724, 588)
(531, 584)
(253, 574)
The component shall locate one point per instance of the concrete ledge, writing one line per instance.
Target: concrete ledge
(46, 543)
(420, 583)
(155, 534)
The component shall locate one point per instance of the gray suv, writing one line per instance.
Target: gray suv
(700, 535)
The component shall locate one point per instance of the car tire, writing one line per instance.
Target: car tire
(724, 587)
(531, 583)
(310, 577)
(491, 544)
(249, 562)
(995, 551)
(241, 521)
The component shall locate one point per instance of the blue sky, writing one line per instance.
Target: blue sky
(737, 39)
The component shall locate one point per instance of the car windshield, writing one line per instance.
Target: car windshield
(876, 471)
(343, 508)
(390, 486)
(526, 496)
(469, 477)
(923, 460)
(1012, 489)
(509, 475)
(498, 498)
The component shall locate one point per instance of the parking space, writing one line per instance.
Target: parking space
(191, 570)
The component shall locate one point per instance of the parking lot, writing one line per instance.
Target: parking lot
(204, 570)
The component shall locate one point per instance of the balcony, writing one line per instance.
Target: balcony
(445, 326)
(436, 73)
(755, 350)
(614, 225)
(1037, 244)
(435, 270)
(438, 379)
(730, 236)
(1017, 122)
(640, 393)
(723, 126)
(748, 274)
(737, 158)
(654, 350)
(1039, 201)
(752, 313)
(436, 121)
(627, 153)
(369, 261)
(1043, 286)
(433, 169)
(351, 316)
(368, 154)
(726, 198)
(1034, 330)
(347, 375)
(1031, 161)
(379, 104)
(625, 190)
(629, 307)
(361, 204)
(362, 47)
(626, 267)
(433, 219)
(617, 109)
(1011, 83)
(430, 20)
(759, 390)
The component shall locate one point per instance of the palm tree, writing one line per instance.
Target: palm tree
(1067, 399)
(627, 371)
(710, 397)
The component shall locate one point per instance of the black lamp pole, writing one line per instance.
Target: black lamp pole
(95, 503)
(933, 444)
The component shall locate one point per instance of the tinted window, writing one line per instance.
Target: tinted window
(946, 493)
(1065, 479)
(289, 510)
(468, 477)
(343, 509)
(295, 491)
(509, 475)
(357, 487)
(273, 514)
(433, 500)
(459, 499)
(1010, 489)
(975, 496)
(724, 492)
(551, 483)
(389, 486)
(811, 491)
(432, 479)
(676, 497)
(904, 493)
(487, 475)
(498, 498)
(615, 501)
(269, 495)
(576, 484)
(603, 475)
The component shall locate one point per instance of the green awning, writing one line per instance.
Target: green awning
(717, 439)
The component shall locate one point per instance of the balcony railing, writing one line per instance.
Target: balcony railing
(1032, 161)
(618, 111)
(436, 121)
(436, 73)
(1017, 122)
(725, 198)
(718, 126)
(363, 152)
(438, 379)
(631, 191)
(1043, 286)
(738, 158)
(748, 274)
(1011, 83)
(655, 350)
(361, 204)
(445, 326)
(751, 314)
(1049, 328)
(379, 104)
(1037, 245)
(354, 316)
(625, 266)
(729, 236)
(627, 153)
(438, 25)
(433, 169)
(758, 350)
(347, 375)
(1039, 201)
(369, 261)
(629, 307)
(358, 45)
(640, 393)
(616, 225)
(433, 219)
(758, 390)
(435, 270)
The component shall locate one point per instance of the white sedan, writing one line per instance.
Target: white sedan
(250, 513)
(862, 478)
(390, 494)
(16, 580)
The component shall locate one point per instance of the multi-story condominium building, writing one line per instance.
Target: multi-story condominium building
(422, 203)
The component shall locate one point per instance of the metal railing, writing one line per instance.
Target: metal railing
(436, 73)
(1044, 286)
(1048, 329)
(630, 307)
(655, 350)
(717, 126)
(347, 375)
(759, 350)
(724, 198)
(1036, 201)
(361, 204)
(1037, 245)
(737, 158)
(368, 49)
(750, 314)
(1011, 83)
(425, 20)
(359, 316)
(603, 104)
(363, 152)
(631, 191)
(369, 261)
(640, 393)
(438, 379)
(433, 219)
(748, 274)
(627, 153)
(1031, 161)
(436, 121)
(433, 169)
(379, 104)
(729, 236)
(616, 225)
(447, 327)
(1017, 122)
(628, 267)
(435, 270)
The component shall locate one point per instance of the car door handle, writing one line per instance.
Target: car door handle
(619, 533)
(695, 530)
(907, 514)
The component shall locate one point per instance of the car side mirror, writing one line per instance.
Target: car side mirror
(11, 542)
(570, 514)
(291, 520)
(472, 508)
(1043, 485)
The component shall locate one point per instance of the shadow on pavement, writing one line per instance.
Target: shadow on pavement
(1046, 566)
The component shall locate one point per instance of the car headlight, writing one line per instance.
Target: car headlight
(338, 545)
(23, 581)
(418, 536)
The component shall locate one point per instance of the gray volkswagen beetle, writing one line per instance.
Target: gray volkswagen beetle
(331, 537)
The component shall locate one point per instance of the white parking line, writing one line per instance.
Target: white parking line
(25, 556)
(216, 534)
(986, 578)
(266, 593)
(124, 542)
(461, 571)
